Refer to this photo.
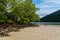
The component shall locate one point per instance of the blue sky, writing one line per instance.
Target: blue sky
(47, 6)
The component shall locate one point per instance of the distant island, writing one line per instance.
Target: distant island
(53, 17)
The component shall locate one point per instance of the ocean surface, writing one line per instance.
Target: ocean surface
(46, 23)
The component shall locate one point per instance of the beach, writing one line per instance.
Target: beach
(43, 32)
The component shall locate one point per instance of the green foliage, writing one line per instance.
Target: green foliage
(21, 11)
(25, 12)
(9, 21)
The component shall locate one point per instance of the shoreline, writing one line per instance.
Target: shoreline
(46, 23)
(43, 32)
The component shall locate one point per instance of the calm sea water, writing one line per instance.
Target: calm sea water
(46, 23)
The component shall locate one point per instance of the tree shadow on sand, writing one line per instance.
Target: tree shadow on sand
(6, 28)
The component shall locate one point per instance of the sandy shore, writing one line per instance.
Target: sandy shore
(43, 32)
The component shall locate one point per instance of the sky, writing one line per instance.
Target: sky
(46, 6)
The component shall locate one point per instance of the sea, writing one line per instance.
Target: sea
(46, 23)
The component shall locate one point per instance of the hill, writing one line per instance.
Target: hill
(53, 17)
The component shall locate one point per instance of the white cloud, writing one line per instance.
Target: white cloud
(48, 6)
(52, 1)
(44, 12)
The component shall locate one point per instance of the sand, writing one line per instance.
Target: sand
(43, 32)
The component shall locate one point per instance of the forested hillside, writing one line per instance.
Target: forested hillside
(53, 17)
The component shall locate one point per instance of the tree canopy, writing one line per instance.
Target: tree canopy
(18, 11)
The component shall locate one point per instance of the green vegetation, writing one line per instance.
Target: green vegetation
(16, 14)
(54, 17)
(18, 11)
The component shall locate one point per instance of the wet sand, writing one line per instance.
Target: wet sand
(43, 32)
